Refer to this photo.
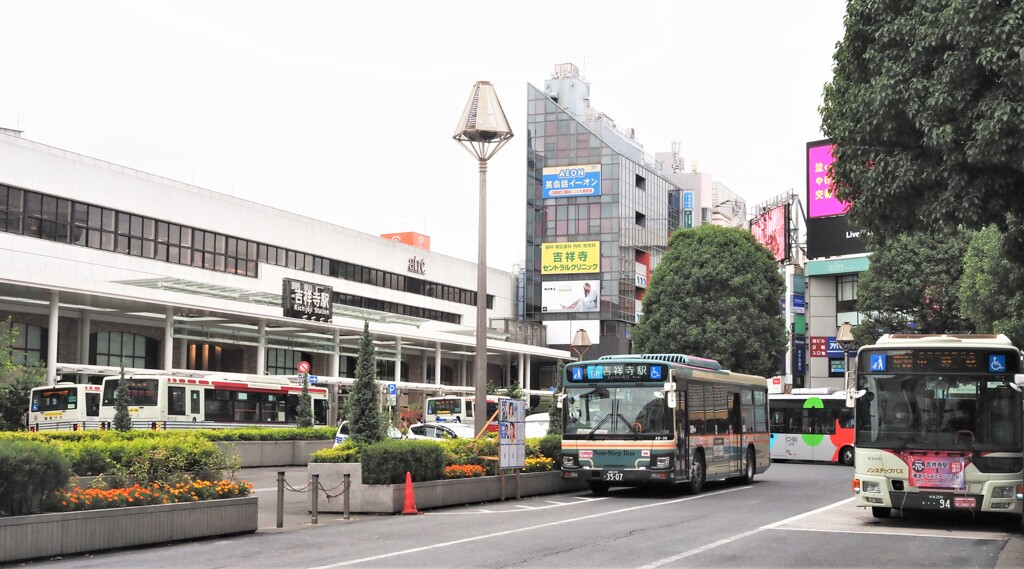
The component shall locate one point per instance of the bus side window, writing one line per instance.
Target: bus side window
(92, 404)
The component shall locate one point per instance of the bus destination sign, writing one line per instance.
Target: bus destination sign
(981, 361)
(618, 372)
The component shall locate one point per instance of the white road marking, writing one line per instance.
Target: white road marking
(899, 533)
(739, 536)
(531, 528)
(519, 508)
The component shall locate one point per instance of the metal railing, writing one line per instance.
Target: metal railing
(313, 487)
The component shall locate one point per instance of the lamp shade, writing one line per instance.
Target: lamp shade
(483, 128)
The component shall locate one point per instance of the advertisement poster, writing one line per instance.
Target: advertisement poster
(772, 230)
(821, 194)
(570, 258)
(572, 181)
(570, 296)
(936, 469)
(512, 433)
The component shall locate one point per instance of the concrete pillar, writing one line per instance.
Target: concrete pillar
(398, 358)
(519, 368)
(51, 348)
(261, 347)
(335, 361)
(169, 339)
(84, 329)
(437, 363)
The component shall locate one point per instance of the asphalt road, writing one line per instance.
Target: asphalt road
(795, 515)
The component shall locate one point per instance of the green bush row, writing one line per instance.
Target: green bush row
(30, 472)
(234, 434)
(387, 462)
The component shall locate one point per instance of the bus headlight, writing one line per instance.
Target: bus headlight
(1003, 492)
(870, 487)
(569, 461)
(663, 462)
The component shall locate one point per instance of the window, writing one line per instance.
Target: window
(122, 349)
(175, 400)
(29, 344)
(281, 361)
(641, 219)
(846, 293)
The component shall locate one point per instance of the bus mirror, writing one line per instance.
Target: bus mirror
(853, 395)
(671, 399)
(670, 386)
(558, 399)
(1019, 379)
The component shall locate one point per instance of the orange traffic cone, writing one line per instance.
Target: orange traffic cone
(410, 498)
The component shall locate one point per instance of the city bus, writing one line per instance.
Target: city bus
(939, 424)
(64, 405)
(660, 420)
(811, 424)
(459, 409)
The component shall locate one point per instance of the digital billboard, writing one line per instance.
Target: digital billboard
(570, 296)
(821, 194)
(833, 237)
(572, 181)
(570, 258)
(771, 229)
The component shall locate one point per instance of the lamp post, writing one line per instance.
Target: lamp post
(482, 131)
(846, 341)
(580, 343)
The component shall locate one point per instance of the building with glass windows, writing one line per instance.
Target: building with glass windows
(103, 266)
(599, 213)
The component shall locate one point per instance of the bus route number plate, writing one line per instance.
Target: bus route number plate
(612, 475)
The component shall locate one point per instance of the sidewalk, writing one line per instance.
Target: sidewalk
(297, 505)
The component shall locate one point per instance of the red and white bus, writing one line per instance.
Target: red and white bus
(812, 424)
(460, 409)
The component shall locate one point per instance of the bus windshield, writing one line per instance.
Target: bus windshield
(61, 399)
(629, 411)
(955, 412)
(140, 391)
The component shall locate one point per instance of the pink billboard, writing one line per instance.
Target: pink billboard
(771, 229)
(821, 195)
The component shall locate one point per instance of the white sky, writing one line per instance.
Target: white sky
(344, 111)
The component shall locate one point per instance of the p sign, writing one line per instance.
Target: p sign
(303, 367)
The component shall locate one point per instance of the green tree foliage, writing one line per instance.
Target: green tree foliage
(122, 418)
(913, 279)
(925, 110)
(991, 288)
(304, 410)
(715, 294)
(366, 419)
(16, 380)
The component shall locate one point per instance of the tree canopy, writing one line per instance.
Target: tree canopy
(716, 294)
(367, 422)
(991, 288)
(911, 286)
(925, 112)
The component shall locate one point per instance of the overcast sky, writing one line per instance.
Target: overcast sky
(344, 111)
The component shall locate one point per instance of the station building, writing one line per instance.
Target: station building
(103, 266)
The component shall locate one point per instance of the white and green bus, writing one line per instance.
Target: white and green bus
(939, 424)
(661, 419)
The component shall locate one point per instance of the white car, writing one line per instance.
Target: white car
(537, 425)
(342, 434)
(440, 431)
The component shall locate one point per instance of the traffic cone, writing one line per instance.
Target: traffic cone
(410, 498)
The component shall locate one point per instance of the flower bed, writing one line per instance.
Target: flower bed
(463, 471)
(80, 499)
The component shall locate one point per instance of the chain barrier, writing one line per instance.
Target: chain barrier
(314, 483)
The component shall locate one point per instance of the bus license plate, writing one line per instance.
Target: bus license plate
(612, 475)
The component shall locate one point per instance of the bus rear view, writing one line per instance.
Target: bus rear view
(940, 422)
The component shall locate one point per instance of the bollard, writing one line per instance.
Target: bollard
(316, 495)
(348, 483)
(280, 499)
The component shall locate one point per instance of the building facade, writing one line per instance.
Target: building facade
(103, 266)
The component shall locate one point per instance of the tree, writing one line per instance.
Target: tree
(367, 421)
(991, 287)
(304, 409)
(911, 287)
(122, 417)
(716, 294)
(555, 412)
(924, 109)
(16, 381)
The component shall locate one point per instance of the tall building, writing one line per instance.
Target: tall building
(599, 213)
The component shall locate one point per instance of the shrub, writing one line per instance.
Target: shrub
(144, 495)
(29, 473)
(348, 451)
(538, 464)
(387, 462)
(469, 451)
(551, 447)
(463, 471)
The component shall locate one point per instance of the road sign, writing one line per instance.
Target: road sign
(392, 389)
(314, 378)
(303, 367)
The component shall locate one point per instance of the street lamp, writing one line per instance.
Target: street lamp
(846, 341)
(482, 131)
(580, 343)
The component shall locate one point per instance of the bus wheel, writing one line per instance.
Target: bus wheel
(748, 467)
(598, 488)
(880, 512)
(846, 456)
(697, 474)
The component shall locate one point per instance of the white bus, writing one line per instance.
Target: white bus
(64, 406)
(812, 424)
(940, 425)
(460, 409)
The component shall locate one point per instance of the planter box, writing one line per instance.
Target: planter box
(254, 454)
(390, 498)
(47, 535)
